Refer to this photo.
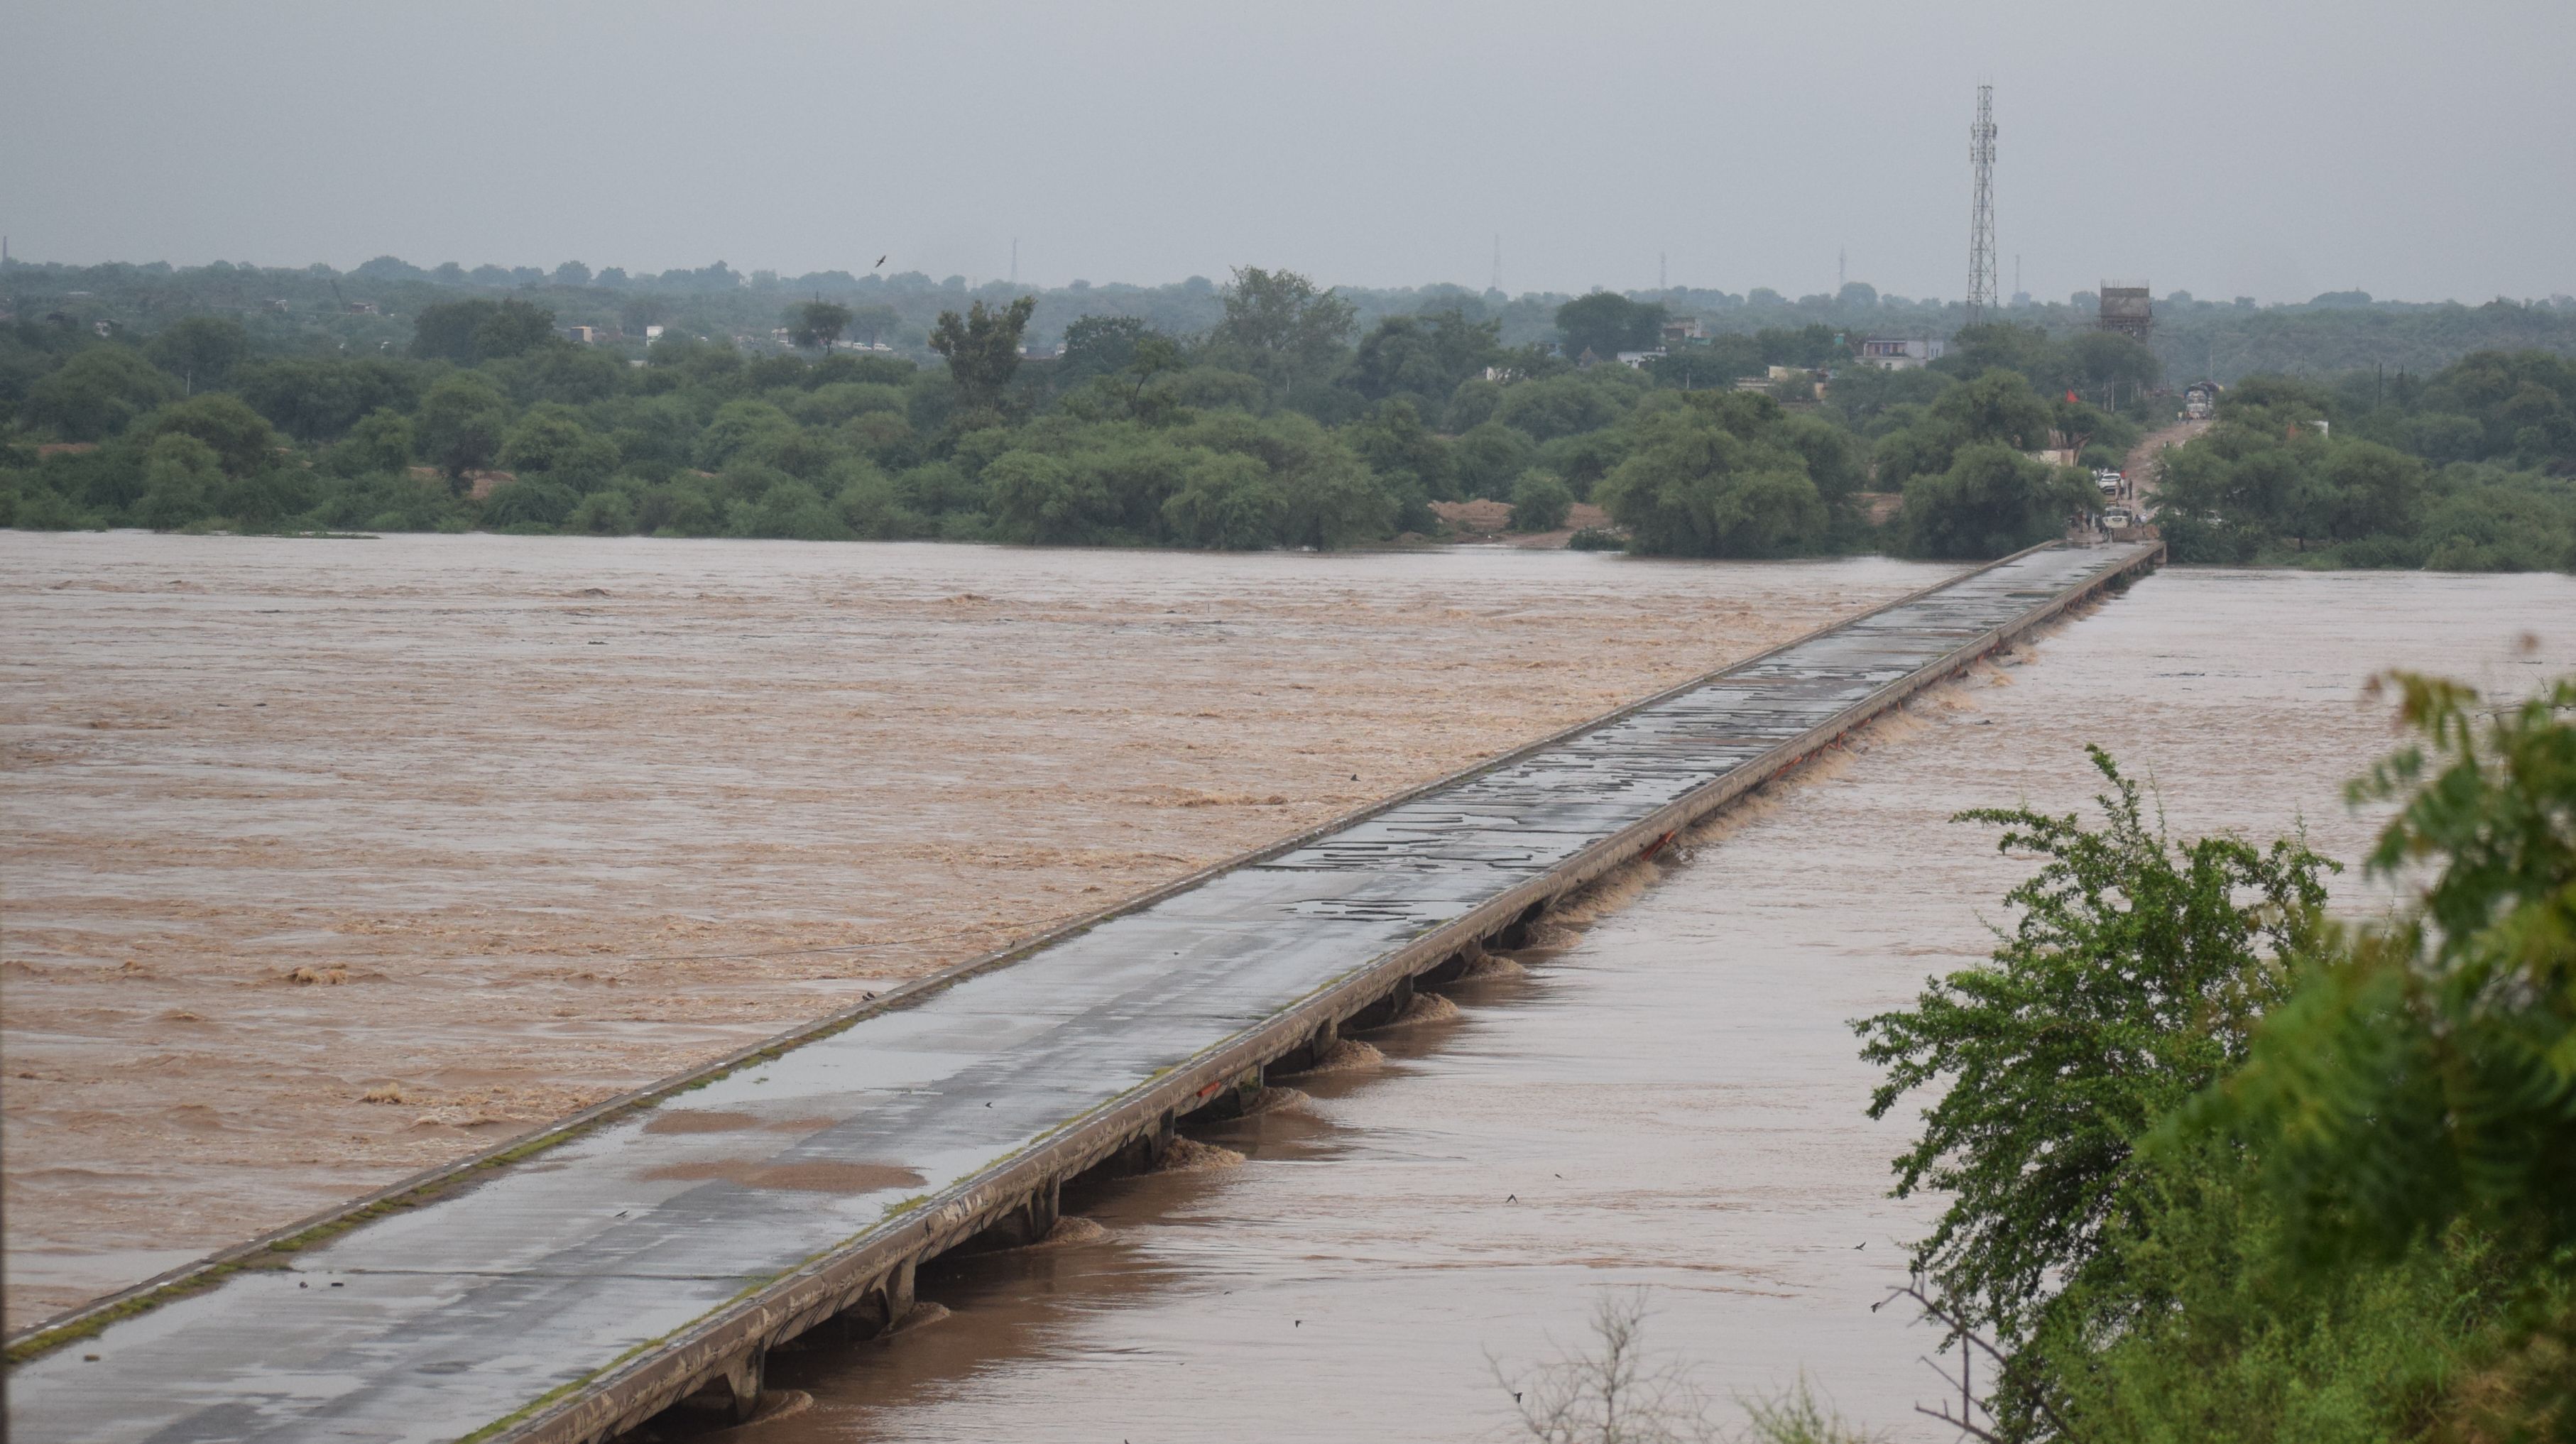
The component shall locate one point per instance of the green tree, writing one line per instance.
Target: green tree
(1103, 345)
(1998, 406)
(2009, 346)
(475, 330)
(871, 323)
(1707, 477)
(379, 444)
(1331, 498)
(1120, 357)
(316, 400)
(2376, 489)
(794, 511)
(96, 394)
(241, 437)
(1567, 405)
(1540, 501)
(1226, 503)
(180, 477)
(1832, 454)
(1044, 499)
(1991, 502)
(444, 330)
(983, 350)
(550, 440)
(818, 324)
(529, 504)
(1334, 501)
(2132, 980)
(2106, 361)
(199, 350)
(460, 424)
(742, 429)
(1606, 323)
(1489, 458)
(1280, 327)
(1426, 356)
(602, 513)
(515, 328)
(1407, 457)
(1714, 364)
(2428, 1073)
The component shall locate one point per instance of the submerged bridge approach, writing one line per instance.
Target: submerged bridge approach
(570, 1286)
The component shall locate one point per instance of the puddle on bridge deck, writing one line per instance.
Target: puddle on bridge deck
(1672, 1101)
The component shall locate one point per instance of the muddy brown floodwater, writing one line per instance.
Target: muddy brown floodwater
(1672, 1100)
(326, 861)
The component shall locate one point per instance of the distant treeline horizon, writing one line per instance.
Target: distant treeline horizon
(369, 307)
(237, 400)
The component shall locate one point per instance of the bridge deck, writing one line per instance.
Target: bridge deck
(574, 1292)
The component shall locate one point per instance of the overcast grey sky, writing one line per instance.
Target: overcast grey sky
(2412, 150)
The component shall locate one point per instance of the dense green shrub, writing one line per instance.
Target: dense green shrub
(1540, 501)
(1992, 501)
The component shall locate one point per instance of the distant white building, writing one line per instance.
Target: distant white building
(1900, 353)
(1636, 360)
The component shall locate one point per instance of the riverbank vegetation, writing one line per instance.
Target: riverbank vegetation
(2219, 1169)
(1279, 425)
(1267, 412)
(2470, 469)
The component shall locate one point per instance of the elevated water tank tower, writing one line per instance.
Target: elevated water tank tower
(2127, 309)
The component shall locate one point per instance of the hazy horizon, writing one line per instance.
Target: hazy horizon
(2299, 150)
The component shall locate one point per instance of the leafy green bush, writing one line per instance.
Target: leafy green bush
(2222, 1171)
(602, 513)
(1226, 503)
(1711, 475)
(528, 501)
(1540, 501)
(1991, 502)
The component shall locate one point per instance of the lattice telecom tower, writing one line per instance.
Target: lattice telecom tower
(1981, 220)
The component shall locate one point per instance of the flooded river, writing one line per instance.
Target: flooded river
(1671, 1102)
(326, 861)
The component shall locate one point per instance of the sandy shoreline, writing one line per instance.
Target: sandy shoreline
(330, 861)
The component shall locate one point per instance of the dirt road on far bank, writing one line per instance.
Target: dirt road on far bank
(2145, 465)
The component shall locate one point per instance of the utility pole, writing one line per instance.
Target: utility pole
(1661, 283)
(1496, 283)
(1981, 214)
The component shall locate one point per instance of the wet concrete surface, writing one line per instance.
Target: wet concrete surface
(433, 1323)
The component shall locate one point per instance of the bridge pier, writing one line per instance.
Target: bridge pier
(743, 1381)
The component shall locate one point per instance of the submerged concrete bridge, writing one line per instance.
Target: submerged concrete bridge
(573, 1285)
